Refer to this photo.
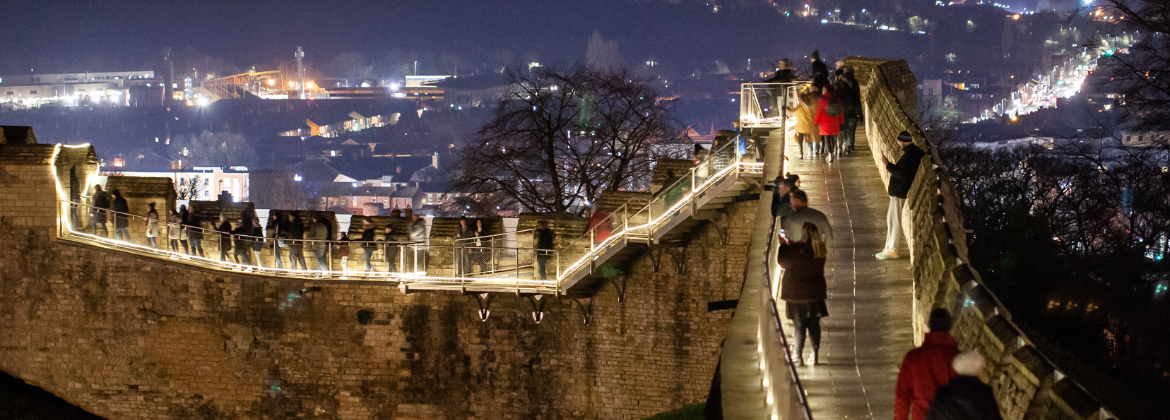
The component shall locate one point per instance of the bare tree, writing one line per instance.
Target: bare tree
(189, 189)
(559, 138)
(212, 149)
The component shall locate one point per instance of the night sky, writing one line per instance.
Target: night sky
(107, 34)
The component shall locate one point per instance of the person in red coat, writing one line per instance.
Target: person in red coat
(830, 116)
(925, 369)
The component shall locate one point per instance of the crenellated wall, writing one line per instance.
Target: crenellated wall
(130, 336)
(1027, 385)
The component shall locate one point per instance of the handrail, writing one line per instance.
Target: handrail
(798, 387)
(621, 225)
(413, 262)
(401, 261)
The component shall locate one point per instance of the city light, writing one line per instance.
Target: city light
(271, 82)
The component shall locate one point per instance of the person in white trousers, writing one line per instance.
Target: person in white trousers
(902, 176)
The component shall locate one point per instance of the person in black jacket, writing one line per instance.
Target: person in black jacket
(243, 244)
(965, 397)
(225, 237)
(803, 288)
(121, 216)
(296, 248)
(781, 204)
(901, 179)
(817, 66)
(544, 248)
(368, 244)
(101, 203)
(850, 94)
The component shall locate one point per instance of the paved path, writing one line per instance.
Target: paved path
(868, 329)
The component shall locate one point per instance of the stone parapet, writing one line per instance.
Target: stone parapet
(1025, 382)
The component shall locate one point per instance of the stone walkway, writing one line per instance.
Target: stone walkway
(868, 329)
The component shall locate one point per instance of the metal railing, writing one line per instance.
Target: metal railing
(396, 261)
(764, 105)
(627, 223)
(784, 383)
(505, 261)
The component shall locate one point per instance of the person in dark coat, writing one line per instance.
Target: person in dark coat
(276, 230)
(121, 216)
(393, 249)
(784, 73)
(194, 231)
(464, 243)
(225, 237)
(781, 203)
(817, 66)
(101, 203)
(966, 397)
(368, 244)
(544, 248)
(243, 244)
(850, 94)
(793, 222)
(925, 369)
(296, 248)
(803, 288)
(257, 241)
(901, 179)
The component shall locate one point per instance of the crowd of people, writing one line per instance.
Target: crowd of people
(242, 240)
(828, 110)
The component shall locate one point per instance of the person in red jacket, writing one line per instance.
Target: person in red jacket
(925, 369)
(830, 116)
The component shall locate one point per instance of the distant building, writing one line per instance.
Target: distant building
(209, 182)
(352, 122)
(32, 90)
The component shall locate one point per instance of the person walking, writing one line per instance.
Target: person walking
(902, 176)
(781, 202)
(392, 249)
(176, 234)
(925, 368)
(850, 94)
(368, 244)
(544, 248)
(418, 237)
(807, 133)
(482, 250)
(296, 244)
(225, 237)
(98, 213)
(194, 231)
(829, 119)
(257, 241)
(319, 234)
(966, 397)
(152, 227)
(121, 211)
(792, 225)
(277, 225)
(241, 237)
(803, 288)
(343, 251)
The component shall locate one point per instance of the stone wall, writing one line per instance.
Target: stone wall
(129, 336)
(1027, 384)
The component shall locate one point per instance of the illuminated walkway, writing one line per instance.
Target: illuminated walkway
(869, 325)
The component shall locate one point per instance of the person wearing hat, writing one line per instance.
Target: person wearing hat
(901, 179)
